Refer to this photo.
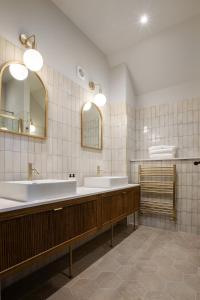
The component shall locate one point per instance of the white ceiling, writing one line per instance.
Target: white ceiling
(167, 59)
(113, 24)
(163, 54)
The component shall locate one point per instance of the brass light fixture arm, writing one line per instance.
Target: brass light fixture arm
(28, 41)
(92, 86)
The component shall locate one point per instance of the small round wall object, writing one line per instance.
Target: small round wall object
(80, 72)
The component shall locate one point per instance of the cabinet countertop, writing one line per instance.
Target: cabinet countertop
(11, 205)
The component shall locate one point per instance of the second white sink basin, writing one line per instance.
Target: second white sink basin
(37, 189)
(105, 181)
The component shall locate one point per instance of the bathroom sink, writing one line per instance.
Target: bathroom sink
(105, 181)
(37, 189)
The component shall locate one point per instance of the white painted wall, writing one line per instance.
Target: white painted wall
(61, 43)
(177, 93)
(130, 91)
(118, 84)
(121, 88)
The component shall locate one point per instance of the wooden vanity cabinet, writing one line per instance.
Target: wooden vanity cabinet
(28, 235)
(36, 232)
(117, 205)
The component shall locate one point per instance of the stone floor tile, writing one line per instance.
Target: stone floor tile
(152, 282)
(132, 290)
(128, 273)
(193, 282)
(198, 296)
(194, 259)
(90, 273)
(106, 294)
(146, 266)
(63, 294)
(156, 295)
(186, 267)
(108, 280)
(180, 291)
(123, 259)
(83, 288)
(175, 252)
(170, 273)
(107, 263)
(162, 260)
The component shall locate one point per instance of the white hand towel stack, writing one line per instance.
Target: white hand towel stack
(162, 152)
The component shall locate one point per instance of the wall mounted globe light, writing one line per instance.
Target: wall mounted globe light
(32, 57)
(99, 98)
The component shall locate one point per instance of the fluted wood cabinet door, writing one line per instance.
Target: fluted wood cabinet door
(73, 221)
(136, 198)
(118, 205)
(24, 237)
(106, 206)
(113, 207)
(133, 200)
(129, 197)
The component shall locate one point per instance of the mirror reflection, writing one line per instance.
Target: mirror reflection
(91, 126)
(23, 101)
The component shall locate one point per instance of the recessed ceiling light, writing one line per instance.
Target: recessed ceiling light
(144, 19)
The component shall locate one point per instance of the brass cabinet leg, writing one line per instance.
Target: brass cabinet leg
(70, 261)
(134, 220)
(112, 236)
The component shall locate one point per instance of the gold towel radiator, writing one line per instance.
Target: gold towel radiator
(158, 190)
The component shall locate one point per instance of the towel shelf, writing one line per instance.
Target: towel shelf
(158, 190)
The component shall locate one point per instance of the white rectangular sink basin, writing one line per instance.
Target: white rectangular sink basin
(105, 181)
(37, 189)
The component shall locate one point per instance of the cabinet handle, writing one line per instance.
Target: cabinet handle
(59, 208)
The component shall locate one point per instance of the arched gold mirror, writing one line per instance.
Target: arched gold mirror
(23, 101)
(91, 127)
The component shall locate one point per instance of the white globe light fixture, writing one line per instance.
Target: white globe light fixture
(18, 71)
(32, 58)
(99, 98)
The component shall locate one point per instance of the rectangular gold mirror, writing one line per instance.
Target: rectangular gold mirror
(91, 127)
(23, 101)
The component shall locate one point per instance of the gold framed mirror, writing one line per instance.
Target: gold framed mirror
(91, 127)
(23, 101)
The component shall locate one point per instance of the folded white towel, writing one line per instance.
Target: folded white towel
(162, 147)
(162, 156)
(157, 151)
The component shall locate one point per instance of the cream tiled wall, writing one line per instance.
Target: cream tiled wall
(61, 153)
(119, 137)
(175, 124)
(131, 137)
(123, 137)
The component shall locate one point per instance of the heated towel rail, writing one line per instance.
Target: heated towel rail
(158, 190)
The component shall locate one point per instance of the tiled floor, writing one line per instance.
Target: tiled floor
(149, 264)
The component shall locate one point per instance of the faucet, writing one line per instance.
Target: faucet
(31, 170)
(98, 171)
